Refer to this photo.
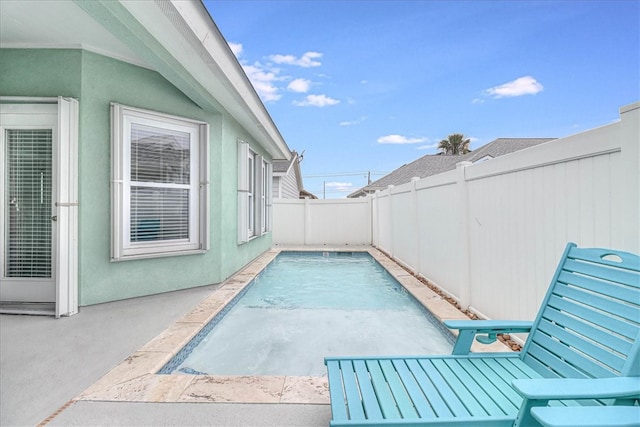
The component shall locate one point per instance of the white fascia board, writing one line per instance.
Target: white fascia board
(298, 173)
(294, 160)
(186, 30)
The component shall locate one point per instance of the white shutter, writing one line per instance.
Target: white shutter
(205, 188)
(258, 226)
(269, 195)
(67, 208)
(243, 189)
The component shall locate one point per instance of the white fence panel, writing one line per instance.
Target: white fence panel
(383, 224)
(289, 222)
(439, 232)
(403, 224)
(525, 207)
(322, 222)
(339, 222)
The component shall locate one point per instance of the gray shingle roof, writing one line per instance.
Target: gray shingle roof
(282, 166)
(433, 164)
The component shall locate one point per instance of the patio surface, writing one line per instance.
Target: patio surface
(98, 367)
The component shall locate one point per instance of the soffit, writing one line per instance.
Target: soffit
(24, 26)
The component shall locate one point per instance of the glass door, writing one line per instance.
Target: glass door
(28, 193)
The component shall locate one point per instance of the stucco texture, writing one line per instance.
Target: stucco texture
(97, 81)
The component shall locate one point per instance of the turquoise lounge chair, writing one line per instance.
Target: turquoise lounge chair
(582, 354)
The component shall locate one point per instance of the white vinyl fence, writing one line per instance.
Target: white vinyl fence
(322, 222)
(490, 234)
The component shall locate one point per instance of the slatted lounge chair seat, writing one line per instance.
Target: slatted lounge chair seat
(582, 352)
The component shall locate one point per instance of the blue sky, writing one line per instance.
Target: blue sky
(365, 86)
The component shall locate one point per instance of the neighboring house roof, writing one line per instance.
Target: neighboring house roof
(433, 164)
(304, 194)
(282, 167)
(179, 40)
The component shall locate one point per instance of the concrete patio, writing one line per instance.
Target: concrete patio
(45, 363)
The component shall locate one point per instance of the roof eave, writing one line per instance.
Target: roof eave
(180, 41)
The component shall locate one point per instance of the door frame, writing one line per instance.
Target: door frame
(65, 162)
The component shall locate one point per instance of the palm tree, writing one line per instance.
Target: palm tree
(455, 144)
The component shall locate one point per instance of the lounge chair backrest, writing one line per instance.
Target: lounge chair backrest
(589, 324)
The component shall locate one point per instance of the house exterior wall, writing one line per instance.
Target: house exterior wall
(275, 188)
(289, 186)
(96, 81)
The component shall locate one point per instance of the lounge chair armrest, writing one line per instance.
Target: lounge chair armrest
(486, 329)
(539, 391)
(484, 326)
(578, 388)
(587, 416)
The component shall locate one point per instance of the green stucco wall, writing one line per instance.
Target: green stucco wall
(96, 81)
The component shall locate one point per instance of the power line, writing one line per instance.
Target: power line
(327, 175)
(332, 191)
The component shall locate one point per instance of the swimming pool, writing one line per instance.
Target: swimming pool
(305, 306)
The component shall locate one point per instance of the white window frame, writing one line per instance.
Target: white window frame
(254, 193)
(122, 248)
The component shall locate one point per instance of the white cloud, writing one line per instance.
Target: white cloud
(428, 146)
(526, 85)
(236, 48)
(299, 85)
(342, 187)
(316, 101)
(353, 122)
(263, 81)
(308, 59)
(399, 139)
(268, 79)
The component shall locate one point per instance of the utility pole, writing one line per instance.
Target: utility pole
(368, 177)
(324, 190)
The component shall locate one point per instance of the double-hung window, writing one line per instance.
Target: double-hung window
(160, 192)
(254, 193)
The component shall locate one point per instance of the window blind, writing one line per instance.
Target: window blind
(160, 184)
(28, 192)
(159, 155)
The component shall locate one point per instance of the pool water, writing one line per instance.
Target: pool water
(305, 306)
